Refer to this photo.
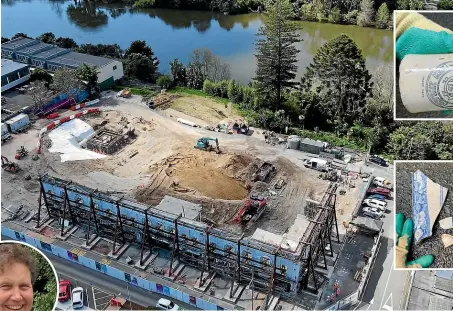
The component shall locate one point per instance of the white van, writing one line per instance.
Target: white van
(376, 204)
(317, 164)
(382, 182)
(165, 304)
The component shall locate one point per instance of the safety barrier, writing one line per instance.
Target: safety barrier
(76, 256)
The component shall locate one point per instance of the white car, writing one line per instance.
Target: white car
(77, 298)
(381, 205)
(372, 212)
(165, 304)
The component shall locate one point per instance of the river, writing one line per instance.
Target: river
(174, 34)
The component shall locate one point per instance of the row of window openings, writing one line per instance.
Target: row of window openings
(10, 79)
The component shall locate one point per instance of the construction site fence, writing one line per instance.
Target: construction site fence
(175, 293)
(362, 196)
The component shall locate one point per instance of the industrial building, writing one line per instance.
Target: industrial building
(13, 74)
(51, 58)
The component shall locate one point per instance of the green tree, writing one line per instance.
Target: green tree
(20, 35)
(4, 40)
(66, 43)
(195, 77)
(164, 81)
(47, 37)
(41, 75)
(90, 76)
(139, 47)
(366, 15)
(45, 286)
(140, 67)
(67, 81)
(410, 4)
(276, 53)
(383, 16)
(178, 72)
(445, 5)
(104, 50)
(335, 16)
(339, 75)
(234, 92)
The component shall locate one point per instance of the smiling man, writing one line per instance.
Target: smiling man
(17, 275)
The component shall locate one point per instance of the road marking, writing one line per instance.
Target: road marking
(387, 307)
(387, 283)
(94, 299)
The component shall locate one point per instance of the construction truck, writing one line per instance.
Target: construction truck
(8, 166)
(203, 144)
(254, 207)
(20, 153)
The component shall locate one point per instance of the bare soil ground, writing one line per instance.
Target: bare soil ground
(167, 164)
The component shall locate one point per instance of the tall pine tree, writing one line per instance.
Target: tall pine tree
(276, 53)
(339, 76)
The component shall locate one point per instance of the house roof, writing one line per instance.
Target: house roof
(77, 59)
(9, 66)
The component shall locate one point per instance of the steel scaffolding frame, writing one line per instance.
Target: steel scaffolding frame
(202, 254)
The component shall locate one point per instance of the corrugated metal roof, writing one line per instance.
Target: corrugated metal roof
(16, 118)
(77, 59)
(9, 66)
(49, 53)
(29, 50)
(17, 43)
(312, 142)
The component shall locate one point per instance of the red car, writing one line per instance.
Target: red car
(382, 191)
(64, 291)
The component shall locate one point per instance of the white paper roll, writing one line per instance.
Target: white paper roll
(426, 82)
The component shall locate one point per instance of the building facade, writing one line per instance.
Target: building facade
(13, 74)
(51, 58)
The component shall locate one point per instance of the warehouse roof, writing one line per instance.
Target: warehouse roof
(17, 43)
(49, 53)
(31, 49)
(9, 66)
(77, 59)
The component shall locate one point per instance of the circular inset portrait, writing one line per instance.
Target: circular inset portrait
(27, 278)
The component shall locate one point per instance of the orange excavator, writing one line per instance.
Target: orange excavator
(8, 166)
(254, 207)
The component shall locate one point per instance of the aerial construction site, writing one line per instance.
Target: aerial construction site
(217, 213)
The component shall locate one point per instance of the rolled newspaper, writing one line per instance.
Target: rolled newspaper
(426, 82)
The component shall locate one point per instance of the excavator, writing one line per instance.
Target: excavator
(203, 144)
(8, 166)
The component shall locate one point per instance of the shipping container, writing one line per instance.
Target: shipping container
(5, 133)
(18, 123)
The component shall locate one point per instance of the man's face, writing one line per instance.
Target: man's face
(16, 290)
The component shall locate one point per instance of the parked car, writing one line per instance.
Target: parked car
(64, 290)
(376, 204)
(165, 304)
(379, 197)
(378, 160)
(382, 191)
(77, 298)
(372, 212)
(382, 182)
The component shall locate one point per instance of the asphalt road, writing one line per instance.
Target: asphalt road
(87, 278)
(386, 285)
(440, 173)
(445, 20)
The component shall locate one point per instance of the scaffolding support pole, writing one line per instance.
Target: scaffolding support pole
(69, 203)
(39, 208)
(114, 239)
(175, 246)
(144, 237)
(205, 255)
(94, 212)
(118, 214)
